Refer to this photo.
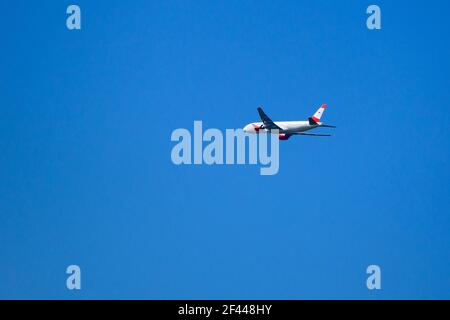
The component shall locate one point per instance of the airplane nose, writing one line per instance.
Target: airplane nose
(248, 128)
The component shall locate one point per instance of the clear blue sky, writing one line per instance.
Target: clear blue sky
(86, 176)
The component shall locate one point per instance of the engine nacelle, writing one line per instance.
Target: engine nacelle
(283, 136)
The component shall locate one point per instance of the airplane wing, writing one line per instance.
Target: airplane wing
(312, 134)
(268, 123)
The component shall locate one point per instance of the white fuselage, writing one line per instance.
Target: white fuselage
(286, 126)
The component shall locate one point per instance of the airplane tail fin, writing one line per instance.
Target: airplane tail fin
(316, 117)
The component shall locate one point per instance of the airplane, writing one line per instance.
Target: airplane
(287, 129)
